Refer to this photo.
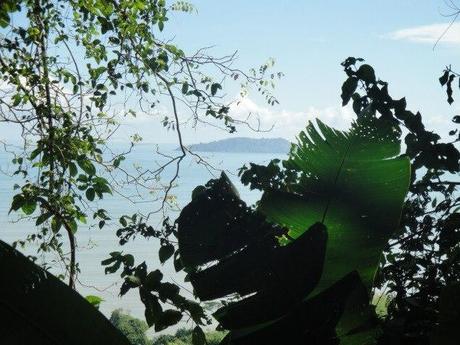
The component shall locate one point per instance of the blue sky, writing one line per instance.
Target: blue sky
(308, 40)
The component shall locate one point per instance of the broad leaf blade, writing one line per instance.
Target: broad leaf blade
(41, 309)
(314, 319)
(217, 227)
(353, 182)
(216, 223)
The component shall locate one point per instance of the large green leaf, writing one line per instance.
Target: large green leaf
(340, 197)
(246, 258)
(37, 308)
(354, 183)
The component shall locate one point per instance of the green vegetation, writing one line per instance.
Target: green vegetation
(185, 336)
(334, 204)
(67, 66)
(134, 329)
(299, 262)
(347, 215)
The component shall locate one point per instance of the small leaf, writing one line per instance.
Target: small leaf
(153, 308)
(443, 79)
(168, 318)
(55, 224)
(184, 88)
(73, 226)
(214, 88)
(90, 194)
(29, 207)
(95, 301)
(198, 337)
(108, 261)
(87, 166)
(366, 73)
(73, 169)
(165, 252)
(348, 88)
(18, 201)
(456, 119)
(152, 282)
(168, 291)
(128, 260)
(42, 218)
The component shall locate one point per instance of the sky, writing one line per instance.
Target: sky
(308, 40)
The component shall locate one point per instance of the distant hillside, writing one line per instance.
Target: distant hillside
(250, 145)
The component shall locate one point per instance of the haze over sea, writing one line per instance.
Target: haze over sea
(95, 244)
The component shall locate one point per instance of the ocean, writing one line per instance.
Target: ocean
(95, 244)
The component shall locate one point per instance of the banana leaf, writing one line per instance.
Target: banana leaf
(339, 212)
(311, 322)
(355, 183)
(230, 249)
(37, 308)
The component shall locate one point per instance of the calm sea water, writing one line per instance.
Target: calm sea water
(95, 245)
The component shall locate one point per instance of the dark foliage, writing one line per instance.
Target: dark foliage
(421, 261)
(296, 263)
(424, 259)
(449, 79)
(37, 308)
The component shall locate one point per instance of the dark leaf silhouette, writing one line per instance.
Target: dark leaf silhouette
(37, 308)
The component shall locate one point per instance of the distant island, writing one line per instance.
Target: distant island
(249, 145)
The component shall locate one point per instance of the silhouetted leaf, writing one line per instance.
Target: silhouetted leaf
(348, 88)
(43, 310)
(167, 318)
(443, 79)
(214, 88)
(198, 337)
(90, 194)
(366, 73)
(153, 279)
(153, 309)
(165, 252)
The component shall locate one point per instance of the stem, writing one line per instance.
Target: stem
(72, 271)
(50, 133)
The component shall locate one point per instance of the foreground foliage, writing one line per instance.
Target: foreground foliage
(71, 71)
(304, 260)
(307, 255)
(37, 308)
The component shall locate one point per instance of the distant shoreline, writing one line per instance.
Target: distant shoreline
(244, 145)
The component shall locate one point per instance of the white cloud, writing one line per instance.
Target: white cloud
(429, 34)
(288, 123)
